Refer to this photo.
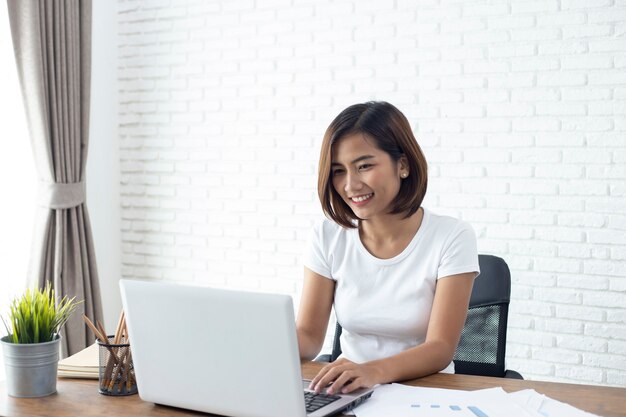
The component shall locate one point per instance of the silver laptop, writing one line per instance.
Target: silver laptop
(225, 352)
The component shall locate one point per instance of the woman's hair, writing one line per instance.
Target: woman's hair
(391, 133)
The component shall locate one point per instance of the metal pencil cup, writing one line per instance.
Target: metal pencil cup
(117, 374)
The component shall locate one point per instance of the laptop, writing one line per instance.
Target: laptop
(232, 353)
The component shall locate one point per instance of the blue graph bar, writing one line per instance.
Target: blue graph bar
(477, 411)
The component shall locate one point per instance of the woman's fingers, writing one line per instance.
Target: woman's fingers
(316, 380)
(343, 376)
(340, 381)
(327, 374)
(354, 384)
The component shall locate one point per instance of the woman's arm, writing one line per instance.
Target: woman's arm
(313, 313)
(446, 322)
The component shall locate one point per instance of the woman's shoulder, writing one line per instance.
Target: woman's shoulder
(444, 224)
(327, 239)
(329, 230)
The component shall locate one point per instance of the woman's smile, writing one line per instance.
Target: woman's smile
(361, 199)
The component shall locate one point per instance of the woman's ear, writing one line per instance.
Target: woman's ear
(403, 166)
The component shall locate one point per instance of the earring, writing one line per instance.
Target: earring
(404, 175)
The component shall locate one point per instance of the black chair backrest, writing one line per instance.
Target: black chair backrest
(482, 346)
(336, 344)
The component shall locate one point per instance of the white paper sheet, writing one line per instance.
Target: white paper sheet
(403, 401)
(546, 406)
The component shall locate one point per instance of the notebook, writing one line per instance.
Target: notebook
(83, 364)
(232, 353)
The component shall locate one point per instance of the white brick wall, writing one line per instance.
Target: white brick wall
(519, 106)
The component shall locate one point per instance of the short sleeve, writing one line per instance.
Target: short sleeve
(316, 257)
(460, 253)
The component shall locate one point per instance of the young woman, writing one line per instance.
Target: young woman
(399, 276)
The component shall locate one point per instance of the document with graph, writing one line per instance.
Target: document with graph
(405, 401)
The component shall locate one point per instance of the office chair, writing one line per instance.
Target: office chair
(482, 347)
(481, 350)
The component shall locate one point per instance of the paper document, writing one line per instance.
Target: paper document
(402, 400)
(84, 364)
(546, 405)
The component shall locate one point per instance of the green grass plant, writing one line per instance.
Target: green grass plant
(36, 318)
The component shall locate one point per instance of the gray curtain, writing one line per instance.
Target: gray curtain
(52, 44)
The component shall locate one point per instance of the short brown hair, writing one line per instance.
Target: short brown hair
(391, 133)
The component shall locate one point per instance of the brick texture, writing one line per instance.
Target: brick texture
(519, 107)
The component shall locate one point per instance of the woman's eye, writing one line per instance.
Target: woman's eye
(364, 167)
(336, 172)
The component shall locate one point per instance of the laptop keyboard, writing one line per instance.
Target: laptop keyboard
(314, 401)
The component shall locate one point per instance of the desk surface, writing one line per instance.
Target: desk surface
(76, 397)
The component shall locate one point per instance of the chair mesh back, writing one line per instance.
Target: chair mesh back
(481, 348)
(336, 343)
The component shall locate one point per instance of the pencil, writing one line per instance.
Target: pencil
(100, 336)
(120, 326)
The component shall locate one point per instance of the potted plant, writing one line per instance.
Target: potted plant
(31, 347)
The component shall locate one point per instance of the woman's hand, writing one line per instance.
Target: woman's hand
(345, 376)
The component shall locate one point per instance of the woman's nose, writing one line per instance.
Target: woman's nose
(353, 182)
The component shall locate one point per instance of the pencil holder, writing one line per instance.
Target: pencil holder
(117, 374)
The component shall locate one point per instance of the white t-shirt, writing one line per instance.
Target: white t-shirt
(384, 305)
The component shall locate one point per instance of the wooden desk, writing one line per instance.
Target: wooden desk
(77, 397)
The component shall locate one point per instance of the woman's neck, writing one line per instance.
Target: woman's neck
(387, 236)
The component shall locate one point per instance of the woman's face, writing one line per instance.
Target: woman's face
(367, 178)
